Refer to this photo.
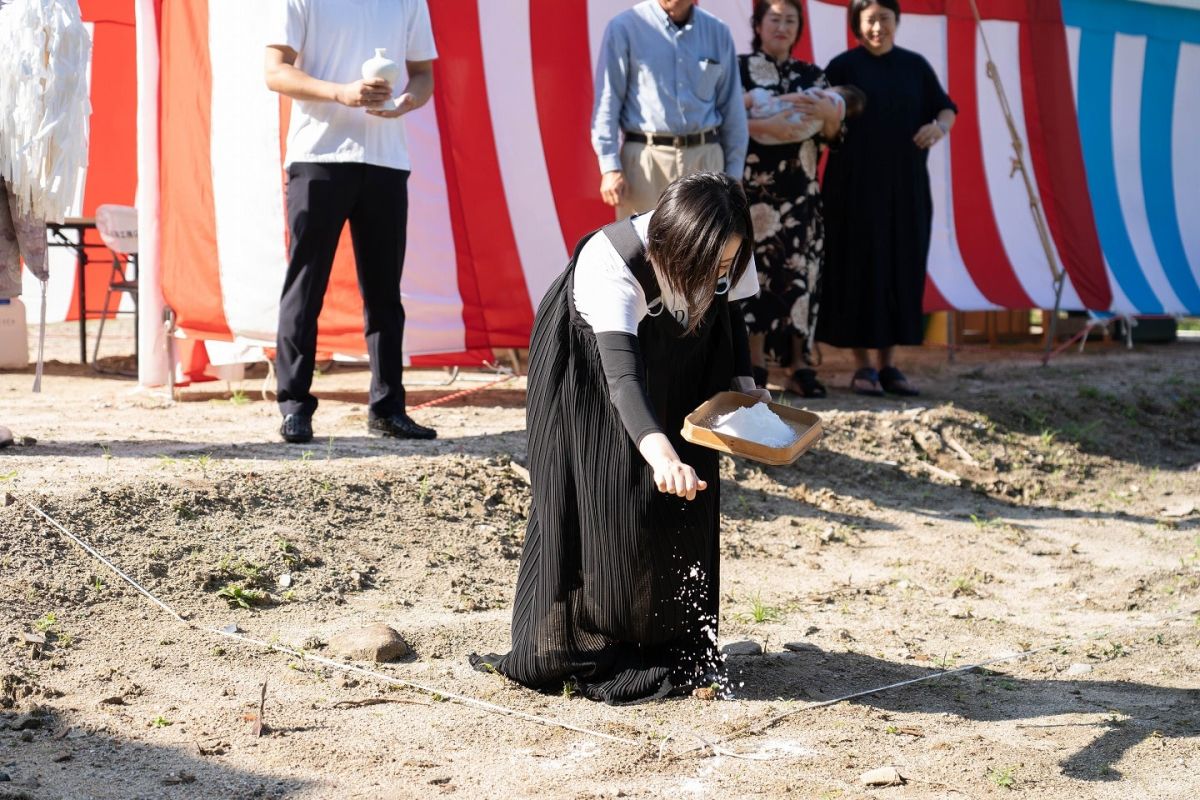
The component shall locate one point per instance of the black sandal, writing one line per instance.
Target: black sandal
(760, 376)
(870, 375)
(893, 382)
(806, 381)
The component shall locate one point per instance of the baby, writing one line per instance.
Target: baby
(849, 99)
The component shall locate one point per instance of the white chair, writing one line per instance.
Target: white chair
(118, 228)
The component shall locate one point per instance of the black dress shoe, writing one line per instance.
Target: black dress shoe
(296, 429)
(399, 426)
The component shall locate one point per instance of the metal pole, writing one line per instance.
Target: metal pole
(950, 337)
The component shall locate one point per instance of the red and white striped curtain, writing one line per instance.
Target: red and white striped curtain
(504, 180)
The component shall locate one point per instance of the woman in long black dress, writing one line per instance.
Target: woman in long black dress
(878, 208)
(785, 202)
(618, 587)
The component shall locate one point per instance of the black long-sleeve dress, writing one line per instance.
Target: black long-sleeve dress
(878, 208)
(618, 585)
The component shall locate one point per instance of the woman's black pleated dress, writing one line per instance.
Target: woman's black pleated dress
(618, 585)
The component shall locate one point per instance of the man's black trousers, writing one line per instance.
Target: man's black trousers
(321, 198)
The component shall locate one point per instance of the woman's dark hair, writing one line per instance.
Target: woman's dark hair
(761, 7)
(691, 225)
(857, 7)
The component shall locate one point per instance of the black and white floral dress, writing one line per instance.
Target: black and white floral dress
(782, 185)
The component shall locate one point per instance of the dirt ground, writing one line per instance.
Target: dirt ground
(1010, 507)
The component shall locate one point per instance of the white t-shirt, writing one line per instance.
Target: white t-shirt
(334, 38)
(609, 297)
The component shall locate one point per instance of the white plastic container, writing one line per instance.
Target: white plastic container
(14, 336)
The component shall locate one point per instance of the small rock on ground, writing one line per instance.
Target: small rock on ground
(378, 643)
(883, 776)
(746, 648)
(1079, 669)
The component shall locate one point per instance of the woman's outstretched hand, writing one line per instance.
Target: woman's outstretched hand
(671, 475)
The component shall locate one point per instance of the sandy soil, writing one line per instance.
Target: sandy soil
(1010, 507)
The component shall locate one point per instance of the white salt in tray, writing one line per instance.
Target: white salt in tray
(699, 427)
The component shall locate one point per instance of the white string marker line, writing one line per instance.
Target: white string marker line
(772, 721)
(350, 668)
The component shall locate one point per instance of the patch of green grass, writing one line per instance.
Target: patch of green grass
(97, 584)
(290, 555)
(963, 585)
(568, 690)
(760, 612)
(423, 491)
(5, 477)
(45, 622)
(1003, 777)
(983, 523)
(1084, 434)
(238, 397)
(183, 513)
(160, 721)
(239, 567)
(239, 596)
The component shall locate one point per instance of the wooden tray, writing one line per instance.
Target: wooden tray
(697, 429)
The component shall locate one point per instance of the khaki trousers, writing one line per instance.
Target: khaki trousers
(648, 169)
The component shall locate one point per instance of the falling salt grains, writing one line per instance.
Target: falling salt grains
(758, 423)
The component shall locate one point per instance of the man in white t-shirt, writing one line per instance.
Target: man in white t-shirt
(347, 161)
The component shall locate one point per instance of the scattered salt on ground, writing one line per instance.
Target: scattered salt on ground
(758, 423)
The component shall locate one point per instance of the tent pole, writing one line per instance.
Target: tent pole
(950, 336)
(1052, 328)
(1018, 165)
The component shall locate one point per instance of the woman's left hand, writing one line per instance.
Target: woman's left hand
(929, 135)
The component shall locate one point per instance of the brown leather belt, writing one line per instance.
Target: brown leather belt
(672, 140)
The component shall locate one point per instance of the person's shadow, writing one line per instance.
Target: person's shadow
(1133, 712)
(54, 756)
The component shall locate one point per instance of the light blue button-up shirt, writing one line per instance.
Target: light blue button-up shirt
(657, 77)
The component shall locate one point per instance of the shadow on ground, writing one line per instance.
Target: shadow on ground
(51, 758)
(1133, 711)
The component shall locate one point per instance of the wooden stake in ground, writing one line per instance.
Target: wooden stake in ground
(260, 726)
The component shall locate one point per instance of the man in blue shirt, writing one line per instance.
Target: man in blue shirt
(668, 102)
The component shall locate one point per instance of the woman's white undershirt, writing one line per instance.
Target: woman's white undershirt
(609, 297)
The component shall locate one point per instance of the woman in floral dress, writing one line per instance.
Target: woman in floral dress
(785, 196)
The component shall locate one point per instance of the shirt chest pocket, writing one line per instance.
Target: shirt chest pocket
(706, 74)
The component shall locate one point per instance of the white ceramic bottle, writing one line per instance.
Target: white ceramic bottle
(382, 67)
